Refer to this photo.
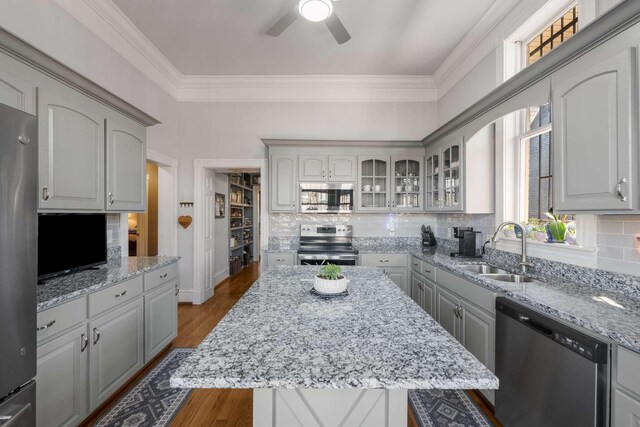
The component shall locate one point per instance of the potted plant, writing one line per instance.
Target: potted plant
(330, 280)
(556, 228)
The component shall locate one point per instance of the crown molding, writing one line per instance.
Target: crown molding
(314, 88)
(474, 47)
(114, 28)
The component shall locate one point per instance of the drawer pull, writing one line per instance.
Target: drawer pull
(85, 343)
(45, 193)
(427, 271)
(164, 275)
(96, 336)
(121, 294)
(177, 289)
(48, 325)
(415, 264)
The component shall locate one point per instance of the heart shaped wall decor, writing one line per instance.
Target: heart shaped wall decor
(185, 221)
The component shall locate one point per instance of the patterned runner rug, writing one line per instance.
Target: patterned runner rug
(151, 402)
(445, 408)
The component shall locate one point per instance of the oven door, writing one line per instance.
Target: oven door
(319, 259)
(326, 198)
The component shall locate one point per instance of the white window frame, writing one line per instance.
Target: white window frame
(514, 59)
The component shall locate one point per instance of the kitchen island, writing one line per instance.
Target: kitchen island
(344, 361)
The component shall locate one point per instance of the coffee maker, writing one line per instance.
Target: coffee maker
(467, 242)
(428, 238)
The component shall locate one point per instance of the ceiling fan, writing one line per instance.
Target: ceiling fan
(315, 11)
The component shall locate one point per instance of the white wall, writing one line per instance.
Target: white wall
(221, 231)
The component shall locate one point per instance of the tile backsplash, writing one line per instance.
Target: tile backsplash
(618, 242)
(114, 250)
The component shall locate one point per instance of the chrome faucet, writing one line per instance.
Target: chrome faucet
(524, 264)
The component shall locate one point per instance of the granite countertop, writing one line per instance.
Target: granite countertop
(60, 289)
(580, 304)
(280, 336)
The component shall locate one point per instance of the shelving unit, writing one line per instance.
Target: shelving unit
(241, 220)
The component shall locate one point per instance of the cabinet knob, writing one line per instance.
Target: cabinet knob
(619, 192)
(45, 193)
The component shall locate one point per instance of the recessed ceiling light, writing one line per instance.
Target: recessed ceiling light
(315, 10)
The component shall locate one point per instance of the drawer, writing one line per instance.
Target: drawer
(429, 271)
(384, 260)
(416, 265)
(473, 293)
(62, 317)
(158, 277)
(115, 295)
(281, 259)
(629, 369)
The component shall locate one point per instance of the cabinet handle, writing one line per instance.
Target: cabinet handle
(177, 290)
(111, 199)
(48, 325)
(121, 294)
(85, 343)
(415, 264)
(455, 311)
(427, 271)
(622, 197)
(164, 275)
(388, 204)
(393, 204)
(45, 193)
(96, 336)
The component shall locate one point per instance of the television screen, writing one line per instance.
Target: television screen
(70, 242)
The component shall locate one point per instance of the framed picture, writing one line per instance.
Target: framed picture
(220, 205)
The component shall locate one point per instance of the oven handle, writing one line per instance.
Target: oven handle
(317, 258)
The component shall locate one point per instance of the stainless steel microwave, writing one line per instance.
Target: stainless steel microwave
(326, 198)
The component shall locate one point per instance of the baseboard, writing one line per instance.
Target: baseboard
(219, 277)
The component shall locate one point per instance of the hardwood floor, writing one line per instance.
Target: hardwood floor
(221, 407)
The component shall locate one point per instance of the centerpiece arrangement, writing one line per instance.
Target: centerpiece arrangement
(330, 280)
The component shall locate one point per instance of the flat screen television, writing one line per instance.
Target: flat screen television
(68, 243)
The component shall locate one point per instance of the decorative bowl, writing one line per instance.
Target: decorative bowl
(326, 286)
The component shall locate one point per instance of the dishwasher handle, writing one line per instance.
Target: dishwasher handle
(534, 325)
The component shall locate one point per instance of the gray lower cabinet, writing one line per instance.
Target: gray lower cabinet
(626, 411)
(126, 167)
(161, 320)
(399, 276)
(116, 350)
(61, 390)
(595, 135)
(71, 153)
(423, 292)
(417, 290)
(478, 335)
(446, 308)
(277, 258)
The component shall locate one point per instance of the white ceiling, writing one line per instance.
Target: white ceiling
(227, 37)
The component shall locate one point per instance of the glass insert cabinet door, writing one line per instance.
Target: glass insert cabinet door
(432, 177)
(451, 176)
(406, 184)
(374, 184)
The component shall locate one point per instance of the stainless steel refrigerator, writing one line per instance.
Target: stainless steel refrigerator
(18, 266)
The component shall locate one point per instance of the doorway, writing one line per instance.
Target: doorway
(230, 227)
(143, 226)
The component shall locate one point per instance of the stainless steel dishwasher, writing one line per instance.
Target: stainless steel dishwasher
(550, 374)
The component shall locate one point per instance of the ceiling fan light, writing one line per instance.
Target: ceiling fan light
(315, 10)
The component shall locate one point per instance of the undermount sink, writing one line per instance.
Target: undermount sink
(511, 278)
(483, 269)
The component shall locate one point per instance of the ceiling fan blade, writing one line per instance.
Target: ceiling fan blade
(338, 30)
(284, 22)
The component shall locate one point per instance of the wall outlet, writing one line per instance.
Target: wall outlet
(109, 237)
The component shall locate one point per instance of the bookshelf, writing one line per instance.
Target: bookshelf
(242, 216)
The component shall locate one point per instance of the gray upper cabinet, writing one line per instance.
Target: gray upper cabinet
(116, 350)
(595, 132)
(342, 168)
(126, 167)
(373, 184)
(71, 153)
(283, 185)
(443, 174)
(62, 380)
(17, 93)
(312, 168)
(406, 185)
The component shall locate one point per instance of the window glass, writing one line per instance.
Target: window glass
(552, 36)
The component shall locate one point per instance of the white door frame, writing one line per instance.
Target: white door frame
(199, 166)
(167, 213)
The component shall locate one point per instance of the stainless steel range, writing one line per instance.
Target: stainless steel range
(328, 244)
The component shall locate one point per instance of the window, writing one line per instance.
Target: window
(536, 171)
(553, 35)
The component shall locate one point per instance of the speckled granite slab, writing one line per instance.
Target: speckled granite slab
(581, 304)
(280, 336)
(60, 289)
